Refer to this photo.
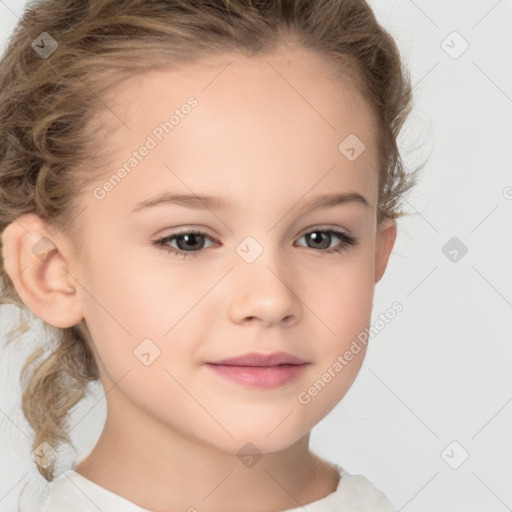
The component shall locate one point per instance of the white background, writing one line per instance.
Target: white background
(441, 370)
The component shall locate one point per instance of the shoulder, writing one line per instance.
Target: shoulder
(359, 494)
(58, 494)
(72, 491)
(354, 493)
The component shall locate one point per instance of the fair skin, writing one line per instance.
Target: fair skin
(174, 428)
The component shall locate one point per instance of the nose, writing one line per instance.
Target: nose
(264, 292)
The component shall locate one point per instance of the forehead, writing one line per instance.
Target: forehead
(260, 125)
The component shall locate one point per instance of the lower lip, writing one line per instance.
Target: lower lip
(266, 377)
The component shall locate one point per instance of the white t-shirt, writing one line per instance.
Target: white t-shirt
(72, 492)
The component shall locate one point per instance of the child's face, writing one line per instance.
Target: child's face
(264, 138)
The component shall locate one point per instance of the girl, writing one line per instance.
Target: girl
(198, 198)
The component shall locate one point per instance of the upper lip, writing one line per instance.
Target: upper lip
(255, 359)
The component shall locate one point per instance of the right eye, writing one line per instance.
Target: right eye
(184, 239)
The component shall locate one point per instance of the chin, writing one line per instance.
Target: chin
(261, 439)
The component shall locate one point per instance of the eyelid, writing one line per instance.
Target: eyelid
(325, 227)
(183, 231)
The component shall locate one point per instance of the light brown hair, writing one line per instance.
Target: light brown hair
(51, 121)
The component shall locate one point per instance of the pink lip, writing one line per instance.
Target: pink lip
(260, 370)
(255, 359)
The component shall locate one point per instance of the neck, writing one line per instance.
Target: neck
(160, 470)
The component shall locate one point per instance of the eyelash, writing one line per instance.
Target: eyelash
(346, 241)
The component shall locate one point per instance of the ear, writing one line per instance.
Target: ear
(386, 236)
(36, 259)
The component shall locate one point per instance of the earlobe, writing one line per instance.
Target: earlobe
(36, 261)
(386, 236)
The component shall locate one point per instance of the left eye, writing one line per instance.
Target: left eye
(190, 242)
(318, 237)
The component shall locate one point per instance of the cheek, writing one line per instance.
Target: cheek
(135, 295)
(341, 296)
(342, 301)
(130, 302)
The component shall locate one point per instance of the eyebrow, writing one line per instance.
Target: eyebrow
(216, 203)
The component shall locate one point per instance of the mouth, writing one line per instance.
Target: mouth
(266, 371)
